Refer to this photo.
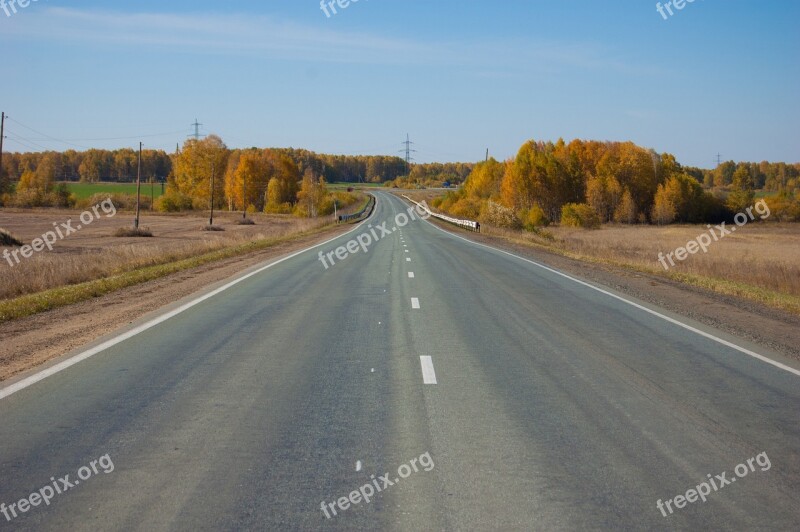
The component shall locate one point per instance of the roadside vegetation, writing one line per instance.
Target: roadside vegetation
(588, 183)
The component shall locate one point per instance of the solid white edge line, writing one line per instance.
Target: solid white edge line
(61, 366)
(631, 303)
(428, 373)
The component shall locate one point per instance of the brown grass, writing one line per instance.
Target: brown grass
(759, 262)
(92, 253)
(135, 232)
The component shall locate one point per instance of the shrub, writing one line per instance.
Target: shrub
(499, 215)
(579, 215)
(533, 218)
(142, 232)
(281, 208)
(173, 201)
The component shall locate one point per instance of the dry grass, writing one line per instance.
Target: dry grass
(760, 261)
(92, 253)
(137, 232)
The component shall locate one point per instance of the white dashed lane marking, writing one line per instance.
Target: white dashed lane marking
(428, 373)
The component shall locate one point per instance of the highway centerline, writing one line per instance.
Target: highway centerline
(428, 373)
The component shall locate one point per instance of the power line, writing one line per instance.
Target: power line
(26, 142)
(47, 136)
(125, 138)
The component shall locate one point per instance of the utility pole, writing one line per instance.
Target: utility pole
(244, 196)
(719, 159)
(2, 132)
(408, 152)
(487, 155)
(211, 220)
(196, 127)
(152, 192)
(138, 187)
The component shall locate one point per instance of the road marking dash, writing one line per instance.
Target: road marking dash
(358, 465)
(408, 259)
(415, 302)
(428, 373)
(410, 275)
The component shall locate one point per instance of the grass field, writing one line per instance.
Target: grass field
(87, 190)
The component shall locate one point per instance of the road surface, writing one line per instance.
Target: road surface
(507, 395)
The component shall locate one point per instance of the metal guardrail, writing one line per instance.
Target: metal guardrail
(363, 213)
(469, 225)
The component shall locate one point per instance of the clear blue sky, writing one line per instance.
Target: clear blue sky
(459, 76)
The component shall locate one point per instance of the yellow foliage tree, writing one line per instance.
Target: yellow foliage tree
(194, 167)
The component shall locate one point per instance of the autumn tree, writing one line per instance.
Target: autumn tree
(742, 194)
(626, 212)
(312, 195)
(247, 179)
(198, 164)
(663, 207)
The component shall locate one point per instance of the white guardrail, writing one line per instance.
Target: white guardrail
(466, 224)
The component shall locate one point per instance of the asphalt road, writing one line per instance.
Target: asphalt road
(545, 405)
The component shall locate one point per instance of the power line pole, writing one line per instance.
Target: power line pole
(719, 159)
(408, 150)
(196, 127)
(244, 196)
(138, 187)
(2, 131)
(487, 155)
(211, 220)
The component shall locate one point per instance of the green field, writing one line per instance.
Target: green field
(87, 190)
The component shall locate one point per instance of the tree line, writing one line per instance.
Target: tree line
(591, 182)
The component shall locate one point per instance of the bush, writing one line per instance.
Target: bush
(142, 232)
(281, 208)
(59, 196)
(784, 209)
(499, 215)
(579, 215)
(533, 218)
(173, 202)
